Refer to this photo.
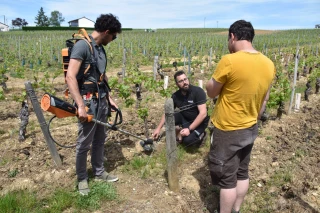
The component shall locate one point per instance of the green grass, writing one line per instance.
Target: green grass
(21, 201)
(3, 162)
(13, 173)
(60, 200)
(142, 164)
(300, 89)
(268, 138)
(2, 132)
(152, 165)
(300, 152)
(99, 192)
(263, 202)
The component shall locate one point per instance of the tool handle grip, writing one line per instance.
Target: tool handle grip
(118, 117)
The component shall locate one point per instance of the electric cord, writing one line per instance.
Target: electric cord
(95, 123)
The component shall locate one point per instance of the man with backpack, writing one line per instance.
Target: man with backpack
(87, 83)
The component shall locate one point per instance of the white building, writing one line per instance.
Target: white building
(82, 22)
(4, 27)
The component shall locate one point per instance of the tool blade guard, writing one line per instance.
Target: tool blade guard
(58, 107)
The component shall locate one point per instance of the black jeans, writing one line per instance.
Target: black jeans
(193, 138)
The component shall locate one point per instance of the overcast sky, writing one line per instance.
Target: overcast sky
(263, 14)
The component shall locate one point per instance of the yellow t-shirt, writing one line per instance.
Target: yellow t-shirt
(246, 78)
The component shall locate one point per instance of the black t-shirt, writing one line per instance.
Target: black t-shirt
(188, 103)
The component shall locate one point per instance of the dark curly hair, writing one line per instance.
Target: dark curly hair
(107, 22)
(178, 73)
(242, 30)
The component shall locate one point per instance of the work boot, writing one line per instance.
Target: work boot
(106, 177)
(83, 187)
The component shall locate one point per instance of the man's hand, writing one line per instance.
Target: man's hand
(113, 104)
(156, 134)
(82, 114)
(185, 132)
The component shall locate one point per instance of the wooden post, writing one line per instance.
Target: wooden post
(155, 67)
(189, 64)
(165, 82)
(19, 49)
(40, 46)
(184, 58)
(210, 58)
(171, 145)
(43, 124)
(297, 102)
(200, 83)
(294, 80)
(124, 63)
(131, 50)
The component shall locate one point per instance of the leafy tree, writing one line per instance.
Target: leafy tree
(41, 19)
(18, 22)
(56, 18)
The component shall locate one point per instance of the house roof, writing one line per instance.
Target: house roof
(81, 18)
(4, 24)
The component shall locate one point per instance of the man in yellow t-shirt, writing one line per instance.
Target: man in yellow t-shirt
(242, 80)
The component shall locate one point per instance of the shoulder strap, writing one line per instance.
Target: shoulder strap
(83, 35)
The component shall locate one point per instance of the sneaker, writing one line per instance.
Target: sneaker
(83, 187)
(106, 177)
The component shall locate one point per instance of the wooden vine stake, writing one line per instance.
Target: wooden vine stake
(189, 64)
(171, 147)
(155, 67)
(165, 82)
(124, 60)
(184, 57)
(294, 80)
(200, 83)
(43, 124)
(297, 102)
(210, 58)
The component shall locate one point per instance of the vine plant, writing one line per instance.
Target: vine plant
(126, 88)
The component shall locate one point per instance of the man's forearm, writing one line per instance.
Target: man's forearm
(162, 121)
(213, 88)
(74, 91)
(199, 119)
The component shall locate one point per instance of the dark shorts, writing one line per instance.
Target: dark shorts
(193, 138)
(229, 155)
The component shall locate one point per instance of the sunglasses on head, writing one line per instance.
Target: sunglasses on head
(114, 37)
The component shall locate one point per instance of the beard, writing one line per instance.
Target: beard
(185, 88)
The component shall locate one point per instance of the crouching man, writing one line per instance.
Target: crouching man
(191, 120)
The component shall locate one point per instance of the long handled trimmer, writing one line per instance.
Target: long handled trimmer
(62, 109)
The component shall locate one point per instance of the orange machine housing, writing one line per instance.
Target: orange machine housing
(65, 60)
(57, 106)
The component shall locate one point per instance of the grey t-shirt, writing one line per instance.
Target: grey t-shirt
(81, 50)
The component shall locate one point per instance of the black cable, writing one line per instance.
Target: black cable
(190, 106)
(95, 123)
(54, 139)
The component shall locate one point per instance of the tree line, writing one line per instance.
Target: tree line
(41, 20)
